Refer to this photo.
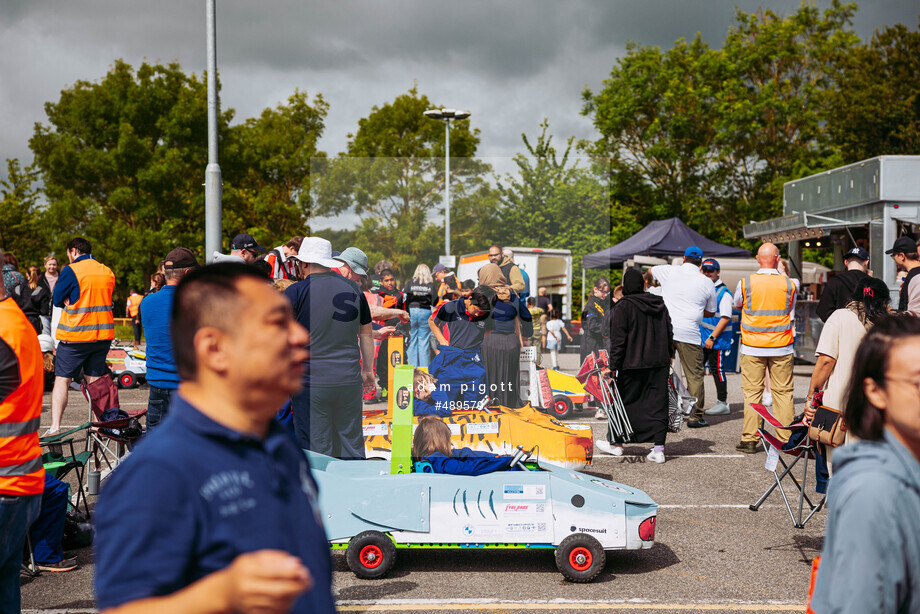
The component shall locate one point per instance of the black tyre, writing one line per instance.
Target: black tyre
(370, 555)
(580, 558)
(127, 380)
(562, 406)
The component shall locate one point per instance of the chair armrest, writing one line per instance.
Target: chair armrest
(61, 434)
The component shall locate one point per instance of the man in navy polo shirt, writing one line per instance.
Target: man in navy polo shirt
(156, 313)
(328, 411)
(467, 320)
(215, 510)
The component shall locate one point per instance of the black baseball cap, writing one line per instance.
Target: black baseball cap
(859, 253)
(245, 241)
(903, 245)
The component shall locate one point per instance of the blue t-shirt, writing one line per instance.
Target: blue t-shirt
(333, 309)
(465, 333)
(506, 312)
(156, 314)
(196, 494)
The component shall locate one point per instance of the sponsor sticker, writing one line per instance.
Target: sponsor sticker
(595, 531)
(524, 508)
(523, 528)
(403, 396)
(375, 429)
(478, 428)
(524, 491)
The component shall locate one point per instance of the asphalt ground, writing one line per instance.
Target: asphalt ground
(712, 554)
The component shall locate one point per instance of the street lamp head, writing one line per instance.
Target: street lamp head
(447, 114)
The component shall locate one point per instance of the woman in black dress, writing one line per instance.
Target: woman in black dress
(641, 346)
(501, 349)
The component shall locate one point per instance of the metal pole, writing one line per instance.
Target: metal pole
(447, 190)
(212, 180)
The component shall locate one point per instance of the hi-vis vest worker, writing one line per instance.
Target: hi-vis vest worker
(134, 305)
(766, 320)
(21, 469)
(90, 318)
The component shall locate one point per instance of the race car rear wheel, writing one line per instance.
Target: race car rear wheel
(370, 554)
(580, 557)
(127, 379)
(562, 406)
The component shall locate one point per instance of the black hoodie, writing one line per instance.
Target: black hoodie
(641, 336)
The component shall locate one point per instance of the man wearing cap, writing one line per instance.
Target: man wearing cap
(689, 296)
(766, 300)
(327, 412)
(905, 256)
(838, 291)
(156, 314)
(243, 248)
(716, 333)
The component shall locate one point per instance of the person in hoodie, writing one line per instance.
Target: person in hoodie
(641, 346)
(872, 536)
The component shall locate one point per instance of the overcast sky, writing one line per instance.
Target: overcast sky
(510, 62)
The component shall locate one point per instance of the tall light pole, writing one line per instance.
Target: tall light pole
(446, 115)
(212, 181)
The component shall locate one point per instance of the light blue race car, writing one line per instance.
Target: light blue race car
(372, 508)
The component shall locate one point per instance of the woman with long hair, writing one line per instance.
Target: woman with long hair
(872, 535)
(39, 302)
(501, 350)
(420, 296)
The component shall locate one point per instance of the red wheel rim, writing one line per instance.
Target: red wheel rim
(126, 379)
(371, 556)
(560, 407)
(580, 558)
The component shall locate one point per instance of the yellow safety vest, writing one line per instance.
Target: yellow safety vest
(21, 469)
(90, 318)
(766, 320)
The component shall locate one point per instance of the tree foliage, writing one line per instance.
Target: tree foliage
(392, 179)
(22, 231)
(710, 135)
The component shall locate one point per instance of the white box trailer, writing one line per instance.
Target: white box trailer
(545, 267)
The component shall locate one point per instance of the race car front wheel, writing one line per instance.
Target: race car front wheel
(127, 379)
(370, 554)
(580, 557)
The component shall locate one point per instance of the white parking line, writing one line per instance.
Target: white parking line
(435, 605)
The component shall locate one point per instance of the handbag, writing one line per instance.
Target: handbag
(828, 426)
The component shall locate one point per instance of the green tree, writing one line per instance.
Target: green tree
(710, 135)
(22, 223)
(556, 202)
(122, 162)
(875, 108)
(391, 178)
(268, 164)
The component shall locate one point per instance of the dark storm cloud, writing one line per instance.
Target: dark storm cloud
(511, 62)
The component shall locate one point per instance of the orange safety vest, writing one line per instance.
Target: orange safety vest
(90, 318)
(766, 320)
(21, 469)
(134, 304)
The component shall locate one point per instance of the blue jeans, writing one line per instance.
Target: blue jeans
(329, 421)
(47, 531)
(158, 405)
(419, 335)
(16, 515)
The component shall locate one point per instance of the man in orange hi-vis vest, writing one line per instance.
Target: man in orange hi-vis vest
(767, 302)
(22, 475)
(87, 327)
(133, 310)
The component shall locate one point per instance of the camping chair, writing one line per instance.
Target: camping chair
(59, 464)
(111, 433)
(799, 448)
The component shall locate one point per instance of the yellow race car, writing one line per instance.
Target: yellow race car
(498, 430)
(568, 394)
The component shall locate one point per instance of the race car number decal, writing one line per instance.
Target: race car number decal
(524, 491)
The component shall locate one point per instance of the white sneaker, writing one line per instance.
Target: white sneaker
(719, 409)
(767, 398)
(600, 415)
(655, 457)
(609, 448)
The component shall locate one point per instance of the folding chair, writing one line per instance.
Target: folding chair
(108, 439)
(803, 449)
(59, 465)
(29, 566)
